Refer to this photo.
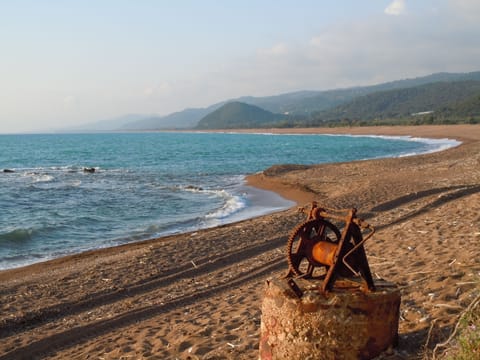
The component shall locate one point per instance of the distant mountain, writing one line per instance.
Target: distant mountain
(307, 102)
(107, 125)
(185, 119)
(433, 97)
(311, 107)
(236, 115)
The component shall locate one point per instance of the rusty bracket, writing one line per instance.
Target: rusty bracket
(293, 285)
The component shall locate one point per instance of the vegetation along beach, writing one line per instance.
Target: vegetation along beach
(198, 294)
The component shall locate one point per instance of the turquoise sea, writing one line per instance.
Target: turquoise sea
(149, 184)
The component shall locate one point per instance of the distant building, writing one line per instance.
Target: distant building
(423, 113)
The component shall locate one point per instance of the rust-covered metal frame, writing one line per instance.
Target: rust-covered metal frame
(345, 251)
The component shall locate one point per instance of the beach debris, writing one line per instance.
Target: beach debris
(317, 249)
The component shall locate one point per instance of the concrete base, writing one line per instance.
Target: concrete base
(346, 323)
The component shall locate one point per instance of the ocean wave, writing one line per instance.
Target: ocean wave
(192, 189)
(67, 169)
(74, 183)
(433, 145)
(42, 178)
(17, 236)
(15, 261)
(72, 168)
(232, 204)
(56, 176)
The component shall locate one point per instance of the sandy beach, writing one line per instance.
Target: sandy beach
(198, 295)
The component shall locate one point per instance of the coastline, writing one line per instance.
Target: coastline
(461, 132)
(301, 195)
(196, 293)
(26, 224)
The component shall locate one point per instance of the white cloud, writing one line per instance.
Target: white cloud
(466, 5)
(276, 50)
(397, 7)
(465, 10)
(161, 89)
(69, 100)
(363, 53)
(148, 91)
(343, 54)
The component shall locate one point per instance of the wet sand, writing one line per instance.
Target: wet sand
(198, 295)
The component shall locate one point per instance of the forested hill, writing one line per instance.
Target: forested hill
(457, 98)
(308, 102)
(236, 115)
(440, 102)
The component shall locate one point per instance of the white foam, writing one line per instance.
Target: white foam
(434, 145)
(42, 178)
(232, 204)
(74, 183)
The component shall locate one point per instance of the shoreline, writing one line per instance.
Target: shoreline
(247, 201)
(303, 196)
(193, 294)
(461, 132)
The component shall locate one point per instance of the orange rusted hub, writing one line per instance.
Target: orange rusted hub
(324, 252)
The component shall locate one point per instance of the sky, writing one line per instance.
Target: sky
(71, 62)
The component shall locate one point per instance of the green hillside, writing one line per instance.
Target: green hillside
(308, 102)
(454, 98)
(468, 109)
(440, 102)
(236, 115)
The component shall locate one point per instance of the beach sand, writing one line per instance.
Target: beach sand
(198, 295)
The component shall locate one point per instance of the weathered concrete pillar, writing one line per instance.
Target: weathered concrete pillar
(346, 323)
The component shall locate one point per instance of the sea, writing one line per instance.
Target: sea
(147, 185)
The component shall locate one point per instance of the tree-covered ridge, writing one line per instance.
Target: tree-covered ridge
(308, 102)
(430, 98)
(441, 102)
(441, 98)
(236, 115)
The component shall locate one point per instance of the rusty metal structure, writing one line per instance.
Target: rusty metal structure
(317, 249)
(328, 307)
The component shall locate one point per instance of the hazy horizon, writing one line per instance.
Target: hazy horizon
(66, 64)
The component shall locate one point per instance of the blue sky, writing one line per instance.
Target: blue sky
(66, 63)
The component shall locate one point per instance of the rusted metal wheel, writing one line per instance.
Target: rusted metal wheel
(300, 247)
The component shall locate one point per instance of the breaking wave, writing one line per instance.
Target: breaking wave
(17, 236)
